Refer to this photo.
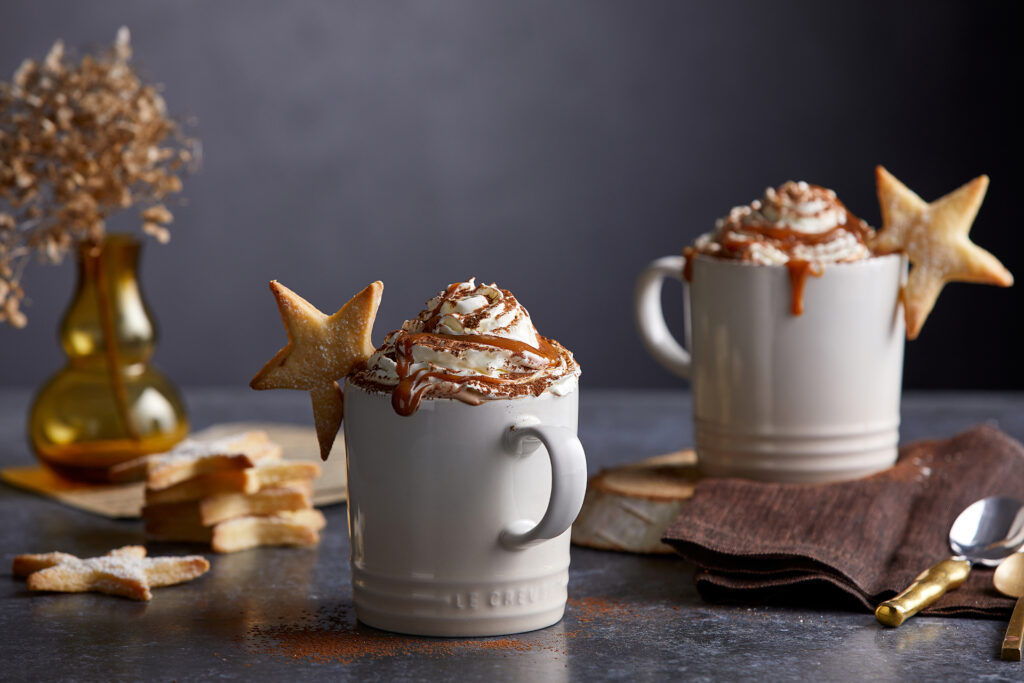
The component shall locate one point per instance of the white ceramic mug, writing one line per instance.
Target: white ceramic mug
(458, 522)
(777, 396)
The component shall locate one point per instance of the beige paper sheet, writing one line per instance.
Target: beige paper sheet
(125, 500)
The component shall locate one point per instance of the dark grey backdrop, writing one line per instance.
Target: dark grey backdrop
(554, 147)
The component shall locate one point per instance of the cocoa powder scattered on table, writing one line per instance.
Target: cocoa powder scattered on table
(333, 635)
(587, 610)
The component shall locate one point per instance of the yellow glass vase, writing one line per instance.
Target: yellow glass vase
(107, 405)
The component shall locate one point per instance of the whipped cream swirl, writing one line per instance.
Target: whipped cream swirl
(472, 343)
(796, 221)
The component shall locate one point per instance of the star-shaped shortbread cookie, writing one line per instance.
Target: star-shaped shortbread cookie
(934, 238)
(126, 572)
(321, 350)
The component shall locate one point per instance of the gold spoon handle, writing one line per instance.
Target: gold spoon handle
(928, 587)
(1014, 634)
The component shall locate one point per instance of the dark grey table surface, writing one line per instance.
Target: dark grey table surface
(253, 616)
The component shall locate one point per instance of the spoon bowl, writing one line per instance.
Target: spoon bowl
(989, 530)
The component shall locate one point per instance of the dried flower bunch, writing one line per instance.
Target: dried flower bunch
(78, 142)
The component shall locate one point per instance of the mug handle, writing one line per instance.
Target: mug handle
(650, 318)
(568, 482)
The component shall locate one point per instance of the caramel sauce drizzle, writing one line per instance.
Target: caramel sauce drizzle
(786, 240)
(788, 237)
(799, 270)
(688, 254)
(408, 394)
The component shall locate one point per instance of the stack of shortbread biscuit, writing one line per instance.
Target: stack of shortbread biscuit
(233, 493)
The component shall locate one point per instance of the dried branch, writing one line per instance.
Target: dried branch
(80, 141)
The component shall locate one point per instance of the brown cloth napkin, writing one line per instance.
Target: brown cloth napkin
(853, 543)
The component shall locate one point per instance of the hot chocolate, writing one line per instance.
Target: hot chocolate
(788, 394)
(458, 517)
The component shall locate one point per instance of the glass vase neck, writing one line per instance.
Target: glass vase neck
(108, 309)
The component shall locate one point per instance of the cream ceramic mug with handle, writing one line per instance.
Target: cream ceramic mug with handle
(777, 396)
(458, 521)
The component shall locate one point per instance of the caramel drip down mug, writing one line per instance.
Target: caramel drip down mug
(777, 396)
(459, 515)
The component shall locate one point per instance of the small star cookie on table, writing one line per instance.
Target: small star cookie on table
(321, 350)
(934, 238)
(125, 571)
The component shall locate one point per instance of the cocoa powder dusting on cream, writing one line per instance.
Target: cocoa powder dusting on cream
(794, 221)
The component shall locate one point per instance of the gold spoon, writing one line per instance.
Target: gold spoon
(987, 531)
(1009, 580)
